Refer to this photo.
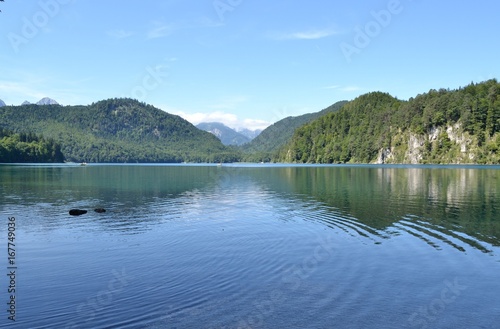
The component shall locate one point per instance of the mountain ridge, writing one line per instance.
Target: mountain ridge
(117, 130)
(250, 134)
(440, 126)
(227, 135)
(459, 126)
(274, 137)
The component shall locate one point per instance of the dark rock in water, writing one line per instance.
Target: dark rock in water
(100, 210)
(77, 212)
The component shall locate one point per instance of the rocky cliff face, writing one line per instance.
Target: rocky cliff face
(415, 144)
(385, 155)
(461, 147)
(456, 134)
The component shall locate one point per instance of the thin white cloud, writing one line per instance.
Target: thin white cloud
(207, 22)
(347, 89)
(351, 88)
(160, 30)
(254, 124)
(120, 34)
(305, 35)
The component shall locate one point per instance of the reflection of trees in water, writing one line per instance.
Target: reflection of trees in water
(130, 194)
(123, 183)
(456, 207)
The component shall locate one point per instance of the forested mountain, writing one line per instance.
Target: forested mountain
(269, 141)
(21, 148)
(441, 126)
(227, 136)
(460, 126)
(117, 130)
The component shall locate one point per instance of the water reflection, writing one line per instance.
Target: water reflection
(442, 206)
(208, 244)
(453, 206)
(133, 196)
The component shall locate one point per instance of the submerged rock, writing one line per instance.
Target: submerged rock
(77, 212)
(100, 210)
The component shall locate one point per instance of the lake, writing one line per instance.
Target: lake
(252, 246)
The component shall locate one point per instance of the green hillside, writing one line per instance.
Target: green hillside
(266, 145)
(441, 126)
(117, 130)
(460, 126)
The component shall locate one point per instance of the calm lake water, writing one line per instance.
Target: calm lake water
(253, 246)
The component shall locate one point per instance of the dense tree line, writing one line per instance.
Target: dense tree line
(28, 147)
(125, 130)
(377, 121)
(274, 137)
(117, 131)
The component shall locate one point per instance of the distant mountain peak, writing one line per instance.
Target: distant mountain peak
(227, 135)
(26, 103)
(281, 132)
(2, 103)
(47, 101)
(251, 134)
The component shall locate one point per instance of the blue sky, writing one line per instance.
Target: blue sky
(247, 63)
